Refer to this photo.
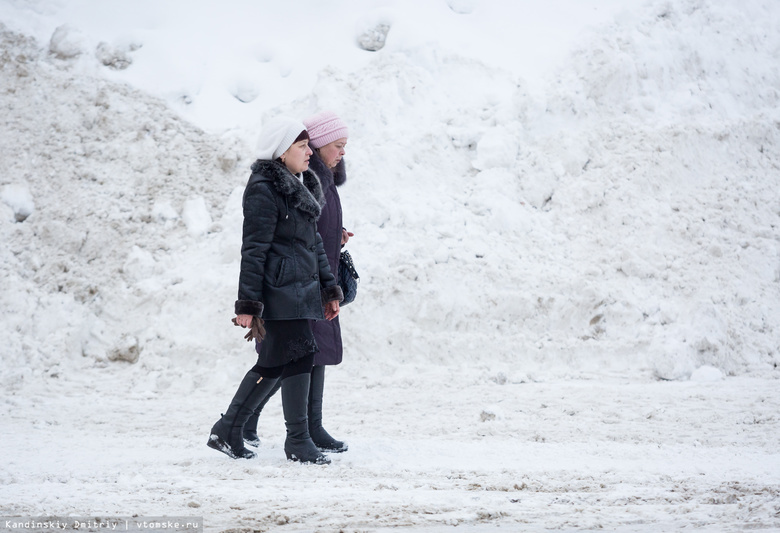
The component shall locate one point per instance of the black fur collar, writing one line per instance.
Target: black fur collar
(307, 197)
(340, 174)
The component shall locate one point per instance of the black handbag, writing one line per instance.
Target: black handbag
(348, 277)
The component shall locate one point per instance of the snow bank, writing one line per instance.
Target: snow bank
(99, 176)
(620, 226)
(597, 231)
(625, 221)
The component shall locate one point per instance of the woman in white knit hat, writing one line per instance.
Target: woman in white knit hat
(285, 283)
(328, 136)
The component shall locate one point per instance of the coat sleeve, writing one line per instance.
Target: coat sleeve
(261, 214)
(330, 289)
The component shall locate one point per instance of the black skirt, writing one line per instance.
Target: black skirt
(285, 341)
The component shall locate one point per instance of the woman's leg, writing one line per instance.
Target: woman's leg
(250, 428)
(321, 438)
(296, 378)
(227, 433)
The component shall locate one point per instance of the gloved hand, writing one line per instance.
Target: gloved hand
(256, 331)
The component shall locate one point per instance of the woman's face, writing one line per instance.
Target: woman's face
(296, 158)
(332, 153)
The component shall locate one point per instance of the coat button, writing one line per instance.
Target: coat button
(314, 276)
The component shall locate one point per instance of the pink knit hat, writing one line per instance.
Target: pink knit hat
(324, 128)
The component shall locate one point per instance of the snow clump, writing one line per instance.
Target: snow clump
(372, 31)
(66, 42)
(19, 199)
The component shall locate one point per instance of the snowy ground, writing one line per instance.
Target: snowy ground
(568, 242)
(592, 454)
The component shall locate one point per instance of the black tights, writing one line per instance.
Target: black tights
(293, 368)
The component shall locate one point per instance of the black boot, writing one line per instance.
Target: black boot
(227, 434)
(295, 398)
(250, 428)
(319, 436)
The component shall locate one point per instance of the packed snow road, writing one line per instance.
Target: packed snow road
(468, 450)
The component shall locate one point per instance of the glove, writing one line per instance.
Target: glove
(256, 331)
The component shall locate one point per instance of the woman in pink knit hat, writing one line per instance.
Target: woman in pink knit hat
(328, 136)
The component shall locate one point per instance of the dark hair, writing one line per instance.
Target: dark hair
(304, 136)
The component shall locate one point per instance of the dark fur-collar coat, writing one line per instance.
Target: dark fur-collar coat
(285, 273)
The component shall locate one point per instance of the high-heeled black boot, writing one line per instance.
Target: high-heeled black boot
(319, 436)
(250, 428)
(227, 434)
(298, 445)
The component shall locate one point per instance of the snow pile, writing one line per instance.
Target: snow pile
(616, 222)
(629, 220)
(222, 67)
(97, 176)
(626, 222)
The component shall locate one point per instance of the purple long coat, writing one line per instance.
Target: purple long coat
(329, 225)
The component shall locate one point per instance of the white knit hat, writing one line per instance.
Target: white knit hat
(277, 135)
